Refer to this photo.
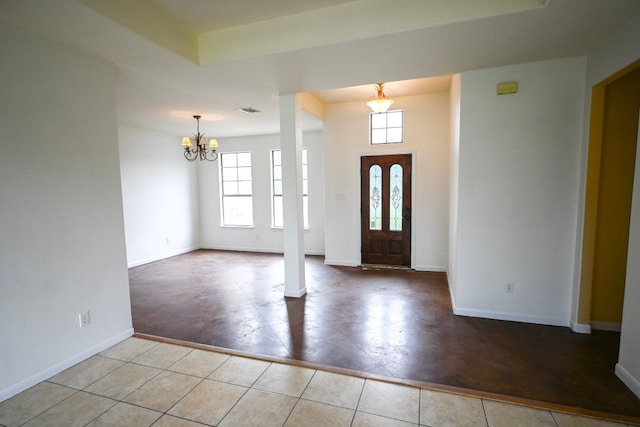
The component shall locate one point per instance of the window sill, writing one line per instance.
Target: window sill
(282, 228)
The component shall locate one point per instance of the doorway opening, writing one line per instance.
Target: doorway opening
(615, 106)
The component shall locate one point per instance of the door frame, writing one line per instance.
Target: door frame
(581, 311)
(414, 210)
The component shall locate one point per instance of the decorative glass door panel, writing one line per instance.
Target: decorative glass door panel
(375, 197)
(395, 199)
(386, 209)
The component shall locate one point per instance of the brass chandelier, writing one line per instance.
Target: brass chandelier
(197, 148)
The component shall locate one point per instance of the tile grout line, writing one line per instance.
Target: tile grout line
(161, 371)
(355, 411)
(484, 411)
(53, 406)
(419, 405)
(232, 406)
(300, 397)
(243, 394)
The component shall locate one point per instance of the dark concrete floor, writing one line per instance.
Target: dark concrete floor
(386, 322)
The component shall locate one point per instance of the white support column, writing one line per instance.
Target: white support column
(291, 148)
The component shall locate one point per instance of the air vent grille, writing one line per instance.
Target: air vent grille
(249, 110)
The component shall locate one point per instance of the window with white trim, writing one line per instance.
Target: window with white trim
(385, 128)
(237, 198)
(276, 189)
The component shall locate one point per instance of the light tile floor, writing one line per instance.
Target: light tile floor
(146, 383)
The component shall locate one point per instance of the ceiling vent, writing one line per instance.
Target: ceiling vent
(249, 110)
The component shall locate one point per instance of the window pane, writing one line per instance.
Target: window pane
(230, 188)
(386, 127)
(394, 135)
(375, 198)
(395, 201)
(277, 172)
(378, 136)
(394, 119)
(238, 211)
(278, 220)
(277, 188)
(236, 180)
(378, 120)
(244, 187)
(244, 174)
(276, 158)
(229, 174)
(229, 160)
(244, 159)
(305, 211)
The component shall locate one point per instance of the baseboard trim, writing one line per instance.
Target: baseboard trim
(163, 256)
(263, 250)
(61, 366)
(242, 249)
(606, 326)
(438, 269)
(628, 379)
(217, 248)
(580, 328)
(514, 317)
(341, 263)
(295, 294)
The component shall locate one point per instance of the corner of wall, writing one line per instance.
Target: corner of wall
(65, 364)
(580, 328)
(628, 379)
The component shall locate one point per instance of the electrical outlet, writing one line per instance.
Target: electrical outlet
(509, 288)
(84, 319)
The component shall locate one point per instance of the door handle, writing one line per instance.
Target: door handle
(406, 214)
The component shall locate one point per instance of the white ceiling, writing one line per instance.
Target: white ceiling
(207, 15)
(160, 89)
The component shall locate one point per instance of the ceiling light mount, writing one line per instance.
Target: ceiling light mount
(379, 103)
(202, 150)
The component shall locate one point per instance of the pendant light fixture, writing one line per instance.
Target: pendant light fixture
(202, 150)
(379, 103)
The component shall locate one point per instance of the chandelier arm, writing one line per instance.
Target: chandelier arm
(188, 155)
(214, 156)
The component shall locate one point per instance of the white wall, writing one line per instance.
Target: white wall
(160, 195)
(454, 104)
(261, 237)
(628, 367)
(62, 248)
(518, 191)
(426, 136)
